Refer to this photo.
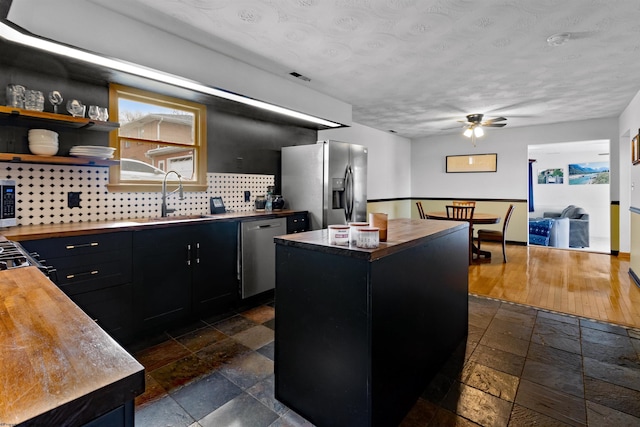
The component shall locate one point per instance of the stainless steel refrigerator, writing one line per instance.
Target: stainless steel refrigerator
(328, 179)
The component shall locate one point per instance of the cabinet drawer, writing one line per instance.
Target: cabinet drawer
(79, 245)
(297, 223)
(84, 273)
(86, 263)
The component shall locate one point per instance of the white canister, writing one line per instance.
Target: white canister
(339, 235)
(353, 231)
(368, 237)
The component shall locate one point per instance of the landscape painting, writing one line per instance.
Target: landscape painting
(551, 176)
(589, 173)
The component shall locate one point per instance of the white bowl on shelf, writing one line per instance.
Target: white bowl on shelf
(43, 132)
(37, 138)
(43, 149)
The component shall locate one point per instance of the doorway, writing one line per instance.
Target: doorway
(573, 173)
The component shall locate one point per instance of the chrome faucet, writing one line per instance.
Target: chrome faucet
(164, 210)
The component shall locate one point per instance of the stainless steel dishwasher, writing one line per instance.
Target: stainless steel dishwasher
(258, 254)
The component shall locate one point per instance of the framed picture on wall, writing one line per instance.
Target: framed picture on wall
(472, 163)
(635, 149)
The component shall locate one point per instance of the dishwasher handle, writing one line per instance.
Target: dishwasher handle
(263, 226)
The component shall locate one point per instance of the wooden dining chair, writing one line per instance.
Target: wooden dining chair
(460, 212)
(421, 210)
(496, 235)
(463, 213)
(463, 203)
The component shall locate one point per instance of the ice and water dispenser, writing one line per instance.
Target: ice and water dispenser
(337, 191)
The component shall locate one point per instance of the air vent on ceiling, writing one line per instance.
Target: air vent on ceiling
(300, 76)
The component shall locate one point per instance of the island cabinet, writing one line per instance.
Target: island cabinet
(95, 271)
(360, 332)
(181, 271)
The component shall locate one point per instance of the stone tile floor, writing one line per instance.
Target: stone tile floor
(519, 366)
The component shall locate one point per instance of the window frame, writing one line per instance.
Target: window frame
(199, 146)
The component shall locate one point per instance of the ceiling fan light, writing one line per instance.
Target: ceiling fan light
(478, 132)
(468, 132)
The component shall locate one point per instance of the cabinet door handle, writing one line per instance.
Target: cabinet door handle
(86, 273)
(198, 253)
(84, 245)
(188, 254)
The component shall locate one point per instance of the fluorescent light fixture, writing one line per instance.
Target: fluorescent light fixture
(10, 33)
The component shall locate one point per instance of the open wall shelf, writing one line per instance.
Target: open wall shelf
(20, 117)
(55, 160)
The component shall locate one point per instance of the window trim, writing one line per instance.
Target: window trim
(199, 145)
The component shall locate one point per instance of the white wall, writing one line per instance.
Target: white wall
(83, 24)
(628, 127)
(554, 197)
(428, 177)
(388, 175)
(630, 180)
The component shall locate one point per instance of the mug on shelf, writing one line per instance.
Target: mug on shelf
(15, 95)
(34, 100)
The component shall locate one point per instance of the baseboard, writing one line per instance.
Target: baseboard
(634, 277)
(626, 256)
(508, 242)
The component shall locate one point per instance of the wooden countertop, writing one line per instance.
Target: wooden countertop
(402, 233)
(54, 359)
(33, 232)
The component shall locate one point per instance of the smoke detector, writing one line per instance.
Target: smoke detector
(558, 39)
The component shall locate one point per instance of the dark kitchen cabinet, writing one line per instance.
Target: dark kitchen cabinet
(298, 222)
(181, 271)
(161, 276)
(214, 274)
(95, 271)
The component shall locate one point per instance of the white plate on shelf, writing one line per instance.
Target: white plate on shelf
(92, 150)
(90, 156)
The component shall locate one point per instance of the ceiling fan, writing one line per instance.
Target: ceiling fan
(474, 125)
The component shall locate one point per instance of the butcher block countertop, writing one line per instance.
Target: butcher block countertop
(402, 234)
(44, 231)
(57, 366)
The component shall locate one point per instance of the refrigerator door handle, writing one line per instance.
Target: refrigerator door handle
(349, 195)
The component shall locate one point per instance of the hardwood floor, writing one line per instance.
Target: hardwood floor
(584, 284)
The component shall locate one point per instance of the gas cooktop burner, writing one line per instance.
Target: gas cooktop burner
(13, 255)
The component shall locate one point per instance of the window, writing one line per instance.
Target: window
(157, 134)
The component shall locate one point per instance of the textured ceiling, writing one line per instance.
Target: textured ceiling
(418, 66)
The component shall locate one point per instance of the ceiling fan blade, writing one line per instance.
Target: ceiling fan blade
(455, 127)
(493, 125)
(497, 119)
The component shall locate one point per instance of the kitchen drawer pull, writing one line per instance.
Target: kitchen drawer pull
(84, 245)
(86, 273)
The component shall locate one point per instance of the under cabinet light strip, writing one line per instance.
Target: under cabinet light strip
(10, 33)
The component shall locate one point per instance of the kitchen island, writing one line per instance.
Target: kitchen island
(360, 332)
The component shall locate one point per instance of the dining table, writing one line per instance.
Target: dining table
(478, 218)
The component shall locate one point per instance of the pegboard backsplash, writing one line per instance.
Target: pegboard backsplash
(41, 194)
